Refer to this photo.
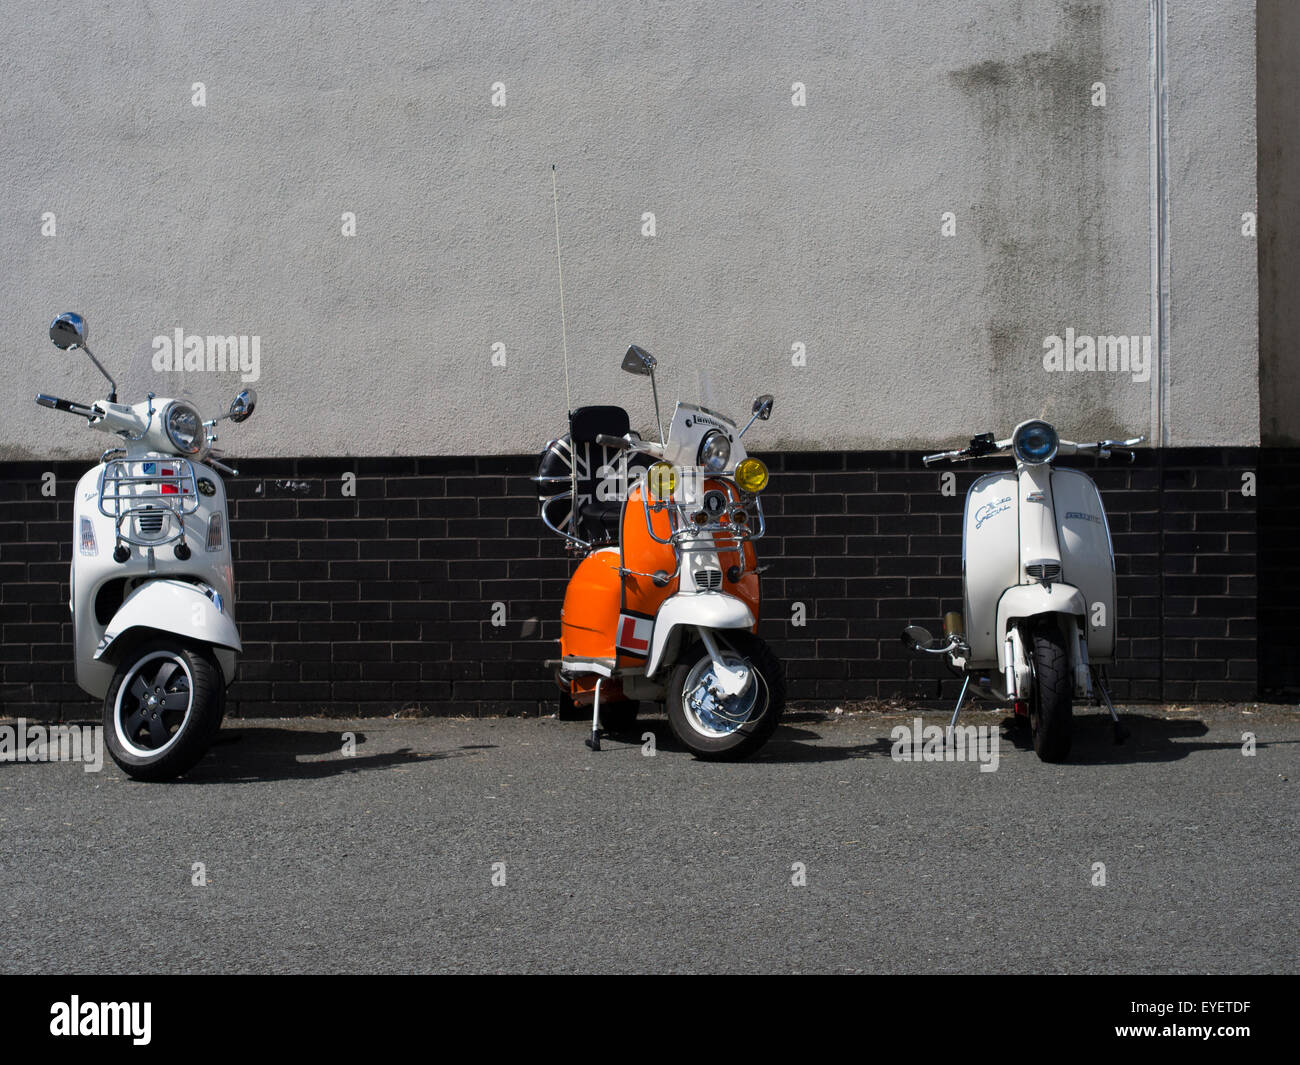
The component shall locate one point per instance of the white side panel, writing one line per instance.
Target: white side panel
(1086, 556)
(990, 559)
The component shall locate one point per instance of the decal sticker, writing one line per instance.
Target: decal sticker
(990, 510)
(634, 635)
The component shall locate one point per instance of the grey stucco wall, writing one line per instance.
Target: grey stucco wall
(776, 225)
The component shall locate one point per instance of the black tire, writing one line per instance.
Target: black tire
(568, 711)
(763, 717)
(618, 715)
(161, 741)
(1052, 707)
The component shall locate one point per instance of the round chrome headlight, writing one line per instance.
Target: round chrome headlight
(1035, 443)
(184, 428)
(715, 451)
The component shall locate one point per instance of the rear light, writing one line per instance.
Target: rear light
(216, 534)
(86, 538)
(739, 516)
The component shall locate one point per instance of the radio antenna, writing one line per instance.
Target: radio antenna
(564, 341)
(559, 267)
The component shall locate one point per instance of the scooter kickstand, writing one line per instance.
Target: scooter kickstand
(594, 742)
(1121, 733)
(957, 709)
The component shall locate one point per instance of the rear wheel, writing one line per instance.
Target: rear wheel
(718, 726)
(618, 716)
(162, 709)
(1052, 707)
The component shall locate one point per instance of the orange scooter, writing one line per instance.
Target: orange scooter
(664, 605)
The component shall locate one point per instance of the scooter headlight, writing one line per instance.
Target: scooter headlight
(715, 451)
(184, 428)
(751, 476)
(1035, 443)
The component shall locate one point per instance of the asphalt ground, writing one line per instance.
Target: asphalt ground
(504, 845)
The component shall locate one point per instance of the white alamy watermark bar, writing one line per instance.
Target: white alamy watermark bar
(194, 353)
(24, 742)
(1081, 353)
(920, 742)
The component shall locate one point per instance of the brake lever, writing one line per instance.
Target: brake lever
(222, 466)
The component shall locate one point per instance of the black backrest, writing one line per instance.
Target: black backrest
(595, 521)
(587, 423)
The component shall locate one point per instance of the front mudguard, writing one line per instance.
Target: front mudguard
(1030, 600)
(705, 610)
(175, 607)
(1063, 601)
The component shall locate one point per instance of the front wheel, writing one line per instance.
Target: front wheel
(724, 727)
(1052, 707)
(162, 709)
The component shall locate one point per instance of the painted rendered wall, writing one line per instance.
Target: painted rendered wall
(775, 225)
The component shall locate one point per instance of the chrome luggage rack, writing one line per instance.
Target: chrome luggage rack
(158, 493)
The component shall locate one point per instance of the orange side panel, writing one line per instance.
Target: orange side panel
(591, 604)
(641, 552)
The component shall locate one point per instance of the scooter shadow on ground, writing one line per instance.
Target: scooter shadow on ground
(1151, 739)
(786, 745)
(241, 755)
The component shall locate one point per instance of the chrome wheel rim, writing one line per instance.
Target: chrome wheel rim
(153, 704)
(712, 714)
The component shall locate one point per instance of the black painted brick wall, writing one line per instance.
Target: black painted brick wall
(1279, 570)
(383, 601)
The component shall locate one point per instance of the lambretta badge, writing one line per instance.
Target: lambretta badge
(701, 419)
(75, 1017)
(1082, 517)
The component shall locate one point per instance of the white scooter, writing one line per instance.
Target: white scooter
(152, 584)
(1038, 581)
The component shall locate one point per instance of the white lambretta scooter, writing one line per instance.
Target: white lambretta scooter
(1038, 582)
(152, 591)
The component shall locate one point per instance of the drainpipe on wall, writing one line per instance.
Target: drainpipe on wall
(1159, 155)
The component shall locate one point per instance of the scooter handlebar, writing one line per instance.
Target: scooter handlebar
(1104, 449)
(55, 403)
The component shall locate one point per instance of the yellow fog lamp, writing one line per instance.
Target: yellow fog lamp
(662, 479)
(751, 475)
